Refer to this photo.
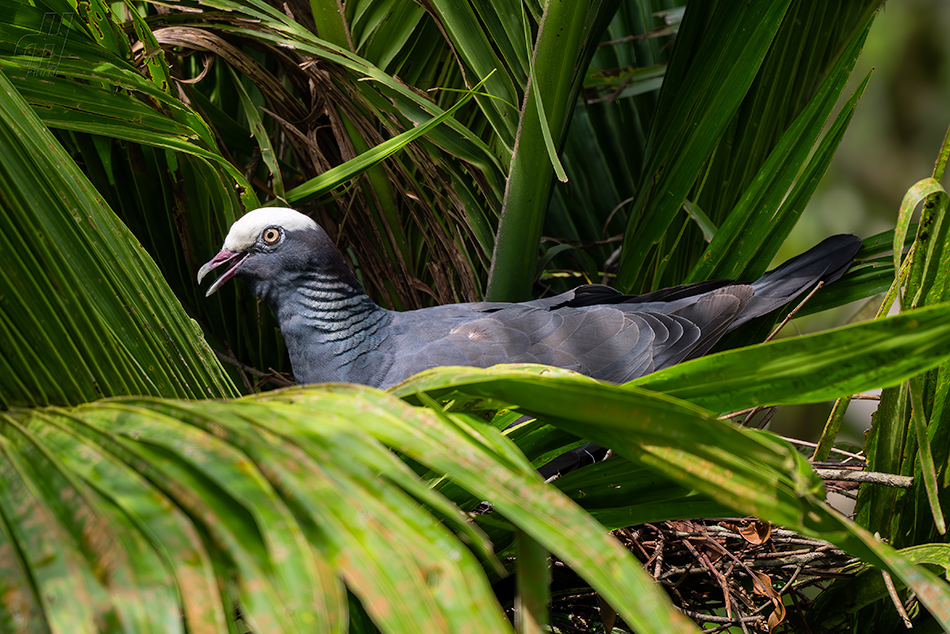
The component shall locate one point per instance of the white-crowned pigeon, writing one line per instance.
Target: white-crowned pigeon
(335, 332)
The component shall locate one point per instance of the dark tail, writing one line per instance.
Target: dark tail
(825, 262)
(707, 304)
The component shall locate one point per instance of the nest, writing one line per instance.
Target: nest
(721, 573)
(739, 574)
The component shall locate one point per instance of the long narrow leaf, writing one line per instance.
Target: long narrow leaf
(516, 491)
(85, 308)
(748, 470)
(713, 78)
(564, 45)
(342, 173)
(814, 368)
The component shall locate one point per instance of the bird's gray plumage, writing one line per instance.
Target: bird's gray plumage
(335, 332)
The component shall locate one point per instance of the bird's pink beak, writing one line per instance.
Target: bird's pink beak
(223, 257)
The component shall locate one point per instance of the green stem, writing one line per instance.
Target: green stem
(941, 163)
(328, 15)
(561, 50)
(830, 432)
(927, 470)
(531, 607)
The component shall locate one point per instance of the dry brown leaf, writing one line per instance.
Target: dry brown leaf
(762, 585)
(777, 616)
(755, 532)
(607, 614)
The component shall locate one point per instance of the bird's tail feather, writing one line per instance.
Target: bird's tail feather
(825, 262)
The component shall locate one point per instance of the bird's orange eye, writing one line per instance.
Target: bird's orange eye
(271, 235)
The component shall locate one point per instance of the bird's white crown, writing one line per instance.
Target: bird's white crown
(246, 229)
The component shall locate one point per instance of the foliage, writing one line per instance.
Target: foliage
(426, 138)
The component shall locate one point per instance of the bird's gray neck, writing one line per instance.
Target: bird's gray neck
(333, 330)
(334, 306)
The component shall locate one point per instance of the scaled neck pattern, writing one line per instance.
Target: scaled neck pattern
(335, 312)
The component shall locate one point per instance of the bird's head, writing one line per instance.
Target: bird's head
(267, 247)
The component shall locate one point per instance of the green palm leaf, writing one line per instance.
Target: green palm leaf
(340, 508)
(750, 471)
(287, 496)
(85, 311)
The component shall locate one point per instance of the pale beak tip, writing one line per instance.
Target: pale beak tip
(223, 257)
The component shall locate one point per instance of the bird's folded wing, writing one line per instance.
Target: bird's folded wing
(614, 342)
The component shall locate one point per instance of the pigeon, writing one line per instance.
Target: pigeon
(335, 332)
